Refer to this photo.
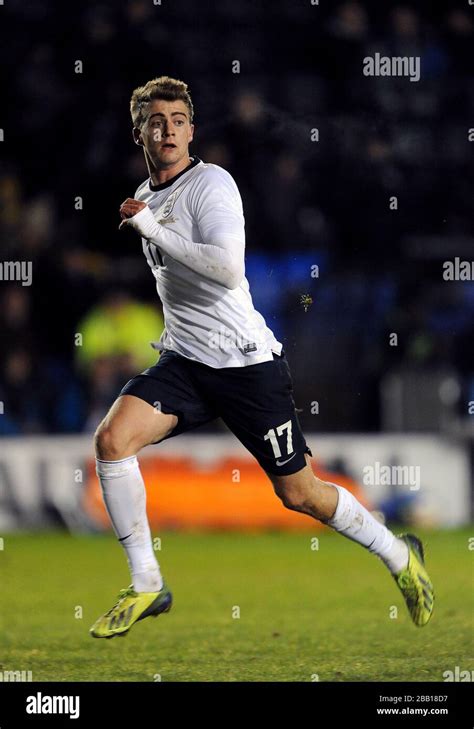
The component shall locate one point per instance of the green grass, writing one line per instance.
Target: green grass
(302, 612)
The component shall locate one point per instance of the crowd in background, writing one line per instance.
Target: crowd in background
(73, 338)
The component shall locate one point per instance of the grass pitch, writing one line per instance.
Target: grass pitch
(306, 614)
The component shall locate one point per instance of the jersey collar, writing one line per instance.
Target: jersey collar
(168, 183)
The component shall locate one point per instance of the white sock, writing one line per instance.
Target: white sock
(354, 521)
(125, 499)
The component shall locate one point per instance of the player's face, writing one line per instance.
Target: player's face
(166, 133)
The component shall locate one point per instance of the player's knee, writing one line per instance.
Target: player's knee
(304, 496)
(293, 497)
(112, 443)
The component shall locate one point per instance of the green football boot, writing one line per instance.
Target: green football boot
(129, 609)
(414, 582)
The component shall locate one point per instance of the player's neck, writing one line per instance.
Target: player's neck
(159, 175)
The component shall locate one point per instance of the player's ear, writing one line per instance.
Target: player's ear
(137, 136)
(191, 133)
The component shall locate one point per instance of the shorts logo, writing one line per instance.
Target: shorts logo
(251, 347)
(282, 463)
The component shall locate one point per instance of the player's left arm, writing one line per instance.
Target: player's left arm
(217, 208)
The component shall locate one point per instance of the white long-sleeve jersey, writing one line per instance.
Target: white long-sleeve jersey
(194, 242)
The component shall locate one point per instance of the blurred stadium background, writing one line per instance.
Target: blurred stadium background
(76, 335)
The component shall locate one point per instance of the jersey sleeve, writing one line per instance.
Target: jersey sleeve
(216, 206)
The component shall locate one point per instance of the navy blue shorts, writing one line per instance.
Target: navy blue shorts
(255, 402)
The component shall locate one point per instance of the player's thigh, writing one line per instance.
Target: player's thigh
(159, 403)
(133, 423)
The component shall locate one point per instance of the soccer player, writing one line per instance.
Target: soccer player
(218, 359)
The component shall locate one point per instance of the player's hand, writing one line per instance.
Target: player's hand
(129, 208)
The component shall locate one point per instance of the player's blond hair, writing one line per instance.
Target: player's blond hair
(164, 87)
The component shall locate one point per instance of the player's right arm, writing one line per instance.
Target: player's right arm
(217, 208)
